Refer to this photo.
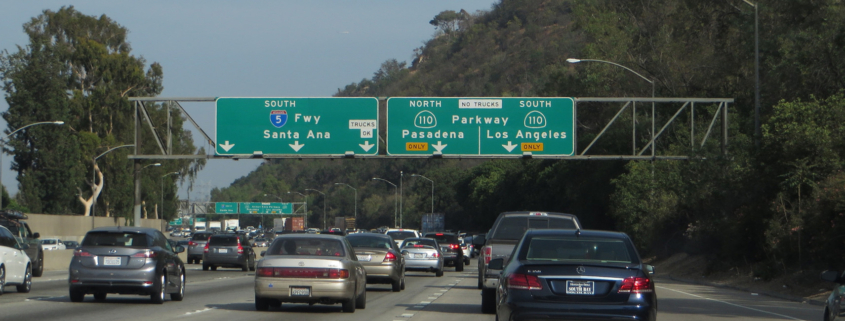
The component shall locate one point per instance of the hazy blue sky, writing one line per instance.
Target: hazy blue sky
(250, 49)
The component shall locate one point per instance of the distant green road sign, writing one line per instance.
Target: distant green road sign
(226, 208)
(266, 208)
(480, 126)
(176, 221)
(296, 126)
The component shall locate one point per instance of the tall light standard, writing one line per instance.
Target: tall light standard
(162, 190)
(395, 198)
(324, 204)
(94, 174)
(276, 196)
(757, 134)
(305, 220)
(55, 122)
(401, 196)
(576, 60)
(432, 189)
(356, 198)
(137, 216)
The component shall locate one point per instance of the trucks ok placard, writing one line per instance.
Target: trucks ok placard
(480, 126)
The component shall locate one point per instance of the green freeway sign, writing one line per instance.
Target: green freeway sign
(226, 208)
(480, 126)
(297, 126)
(176, 221)
(266, 208)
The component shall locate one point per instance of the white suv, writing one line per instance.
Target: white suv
(15, 267)
(400, 234)
(52, 244)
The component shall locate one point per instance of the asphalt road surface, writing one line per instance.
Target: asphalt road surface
(227, 294)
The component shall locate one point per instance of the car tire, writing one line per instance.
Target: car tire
(403, 282)
(480, 280)
(38, 271)
(245, 267)
(396, 285)
(2, 279)
(27, 281)
(252, 265)
(361, 301)
(459, 266)
(262, 304)
(157, 296)
(438, 273)
(214, 268)
(77, 296)
(488, 301)
(100, 296)
(349, 305)
(179, 296)
(205, 267)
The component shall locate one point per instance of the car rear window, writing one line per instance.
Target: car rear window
(444, 238)
(565, 248)
(48, 241)
(401, 235)
(414, 242)
(117, 239)
(512, 228)
(223, 240)
(200, 236)
(306, 246)
(369, 241)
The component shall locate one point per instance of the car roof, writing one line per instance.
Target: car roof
(310, 236)
(586, 233)
(384, 236)
(130, 229)
(528, 213)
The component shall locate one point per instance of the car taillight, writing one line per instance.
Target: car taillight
(389, 257)
(521, 281)
(240, 249)
(302, 273)
(81, 253)
(435, 255)
(192, 243)
(488, 254)
(145, 254)
(454, 246)
(636, 285)
(205, 248)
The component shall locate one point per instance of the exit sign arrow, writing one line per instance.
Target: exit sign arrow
(366, 146)
(296, 146)
(509, 147)
(227, 146)
(439, 146)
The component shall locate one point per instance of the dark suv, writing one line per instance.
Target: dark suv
(14, 221)
(450, 247)
(196, 246)
(228, 250)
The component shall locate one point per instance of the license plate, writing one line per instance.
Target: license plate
(580, 287)
(365, 258)
(419, 255)
(111, 260)
(222, 250)
(300, 291)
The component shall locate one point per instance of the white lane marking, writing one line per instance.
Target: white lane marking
(200, 311)
(444, 290)
(432, 298)
(425, 302)
(731, 304)
(407, 315)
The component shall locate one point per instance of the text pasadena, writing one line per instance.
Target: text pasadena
(527, 134)
(434, 134)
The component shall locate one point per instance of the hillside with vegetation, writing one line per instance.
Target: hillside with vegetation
(773, 204)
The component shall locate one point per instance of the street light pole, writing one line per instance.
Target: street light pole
(356, 198)
(55, 122)
(432, 189)
(305, 220)
(395, 197)
(162, 191)
(401, 195)
(137, 216)
(757, 134)
(325, 198)
(93, 174)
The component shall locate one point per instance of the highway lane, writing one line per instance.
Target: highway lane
(229, 294)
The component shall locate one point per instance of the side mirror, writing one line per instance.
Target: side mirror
(263, 252)
(831, 276)
(649, 269)
(478, 240)
(496, 264)
(179, 249)
(36, 235)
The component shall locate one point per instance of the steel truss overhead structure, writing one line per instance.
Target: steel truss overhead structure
(712, 109)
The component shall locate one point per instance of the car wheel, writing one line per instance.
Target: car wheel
(262, 304)
(480, 280)
(349, 305)
(403, 281)
(439, 273)
(214, 268)
(252, 265)
(39, 265)
(2, 279)
(361, 301)
(100, 296)
(77, 296)
(459, 266)
(179, 296)
(245, 267)
(27, 281)
(158, 290)
(488, 301)
(827, 316)
(205, 267)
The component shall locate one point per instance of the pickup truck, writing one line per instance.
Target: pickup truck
(499, 242)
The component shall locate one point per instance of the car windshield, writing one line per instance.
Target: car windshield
(421, 242)
(120, 239)
(401, 235)
(200, 236)
(261, 240)
(512, 228)
(306, 246)
(223, 240)
(574, 248)
(369, 241)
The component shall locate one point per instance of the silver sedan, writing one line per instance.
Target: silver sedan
(310, 268)
(381, 258)
(422, 254)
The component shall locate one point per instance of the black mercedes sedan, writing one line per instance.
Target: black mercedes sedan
(575, 275)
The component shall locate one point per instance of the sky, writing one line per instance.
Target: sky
(268, 48)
